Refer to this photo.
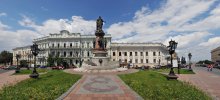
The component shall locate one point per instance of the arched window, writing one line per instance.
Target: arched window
(64, 45)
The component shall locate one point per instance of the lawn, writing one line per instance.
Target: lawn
(49, 86)
(182, 71)
(25, 71)
(154, 86)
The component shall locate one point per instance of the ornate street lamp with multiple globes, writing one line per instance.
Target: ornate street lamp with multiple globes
(190, 56)
(35, 50)
(17, 70)
(172, 46)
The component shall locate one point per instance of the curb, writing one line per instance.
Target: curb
(70, 89)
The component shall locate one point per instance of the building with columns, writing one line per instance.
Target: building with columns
(215, 55)
(74, 46)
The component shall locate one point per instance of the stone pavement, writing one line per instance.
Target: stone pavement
(101, 87)
(206, 81)
(7, 78)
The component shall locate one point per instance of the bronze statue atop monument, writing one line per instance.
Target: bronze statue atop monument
(100, 42)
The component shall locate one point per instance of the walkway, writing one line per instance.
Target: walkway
(7, 78)
(207, 81)
(101, 87)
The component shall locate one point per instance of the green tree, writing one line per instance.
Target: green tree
(6, 57)
(50, 61)
(23, 63)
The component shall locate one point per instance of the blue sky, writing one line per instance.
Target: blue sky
(40, 10)
(194, 24)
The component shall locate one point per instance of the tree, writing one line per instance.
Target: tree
(23, 63)
(6, 57)
(50, 61)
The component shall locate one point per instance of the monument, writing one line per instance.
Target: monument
(100, 59)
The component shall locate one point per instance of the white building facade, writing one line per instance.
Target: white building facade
(74, 46)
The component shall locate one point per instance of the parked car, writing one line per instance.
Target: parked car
(43, 67)
(10, 67)
(58, 67)
(2, 67)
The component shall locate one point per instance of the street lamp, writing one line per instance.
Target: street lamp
(35, 50)
(190, 56)
(178, 60)
(17, 68)
(172, 46)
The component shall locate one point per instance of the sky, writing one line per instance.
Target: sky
(194, 24)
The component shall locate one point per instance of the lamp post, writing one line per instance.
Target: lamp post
(35, 50)
(172, 46)
(190, 56)
(17, 68)
(178, 60)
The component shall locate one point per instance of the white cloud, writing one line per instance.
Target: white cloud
(11, 39)
(3, 14)
(76, 25)
(147, 24)
(188, 40)
(211, 42)
(26, 21)
(171, 21)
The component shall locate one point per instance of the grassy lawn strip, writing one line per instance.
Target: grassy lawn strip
(25, 71)
(154, 86)
(182, 71)
(48, 87)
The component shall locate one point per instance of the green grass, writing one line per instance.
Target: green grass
(25, 71)
(182, 71)
(48, 87)
(154, 86)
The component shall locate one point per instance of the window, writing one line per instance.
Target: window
(87, 44)
(71, 53)
(130, 53)
(119, 53)
(136, 60)
(82, 54)
(64, 45)
(76, 44)
(64, 54)
(71, 45)
(53, 45)
(146, 53)
(58, 45)
(58, 54)
(141, 53)
(113, 53)
(146, 60)
(154, 53)
(125, 60)
(82, 45)
(159, 53)
(130, 60)
(142, 61)
(136, 53)
(87, 53)
(113, 59)
(125, 53)
(154, 60)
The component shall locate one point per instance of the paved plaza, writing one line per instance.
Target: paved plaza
(7, 78)
(207, 81)
(101, 87)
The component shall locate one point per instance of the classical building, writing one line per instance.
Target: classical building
(74, 46)
(25, 54)
(215, 55)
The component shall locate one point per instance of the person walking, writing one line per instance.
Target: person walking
(208, 67)
(211, 66)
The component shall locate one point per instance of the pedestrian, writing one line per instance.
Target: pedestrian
(211, 66)
(208, 67)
